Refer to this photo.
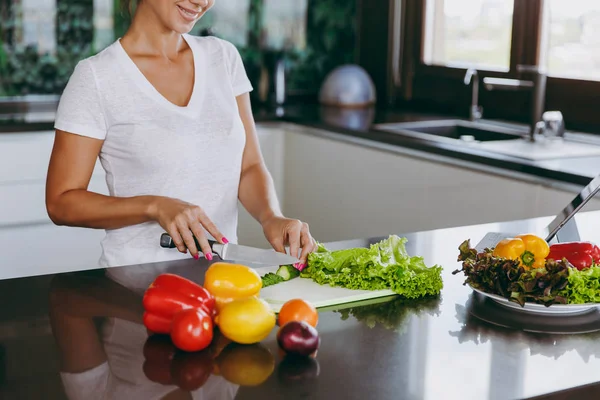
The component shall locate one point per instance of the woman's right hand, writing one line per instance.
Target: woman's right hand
(181, 219)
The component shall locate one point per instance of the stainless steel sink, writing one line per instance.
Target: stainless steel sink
(454, 130)
(494, 137)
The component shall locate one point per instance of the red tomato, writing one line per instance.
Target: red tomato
(192, 330)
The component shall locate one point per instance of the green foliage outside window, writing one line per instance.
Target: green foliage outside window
(23, 70)
(330, 42)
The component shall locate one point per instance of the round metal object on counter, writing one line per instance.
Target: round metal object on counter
(486, 309)
(348, 117)
(348, 86)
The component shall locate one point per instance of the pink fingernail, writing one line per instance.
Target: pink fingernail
(225, 241)
(208, 256)
(299, 266)
(197, 257)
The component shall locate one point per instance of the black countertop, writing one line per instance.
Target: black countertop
(423, 349)
(358, 125)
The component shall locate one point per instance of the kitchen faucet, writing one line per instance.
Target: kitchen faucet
(476, 111)
(537, 87)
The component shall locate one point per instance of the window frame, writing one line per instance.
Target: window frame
(441, 88)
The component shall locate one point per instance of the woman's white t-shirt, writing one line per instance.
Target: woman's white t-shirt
(154, 147)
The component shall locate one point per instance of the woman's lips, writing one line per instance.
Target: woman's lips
(187, 14)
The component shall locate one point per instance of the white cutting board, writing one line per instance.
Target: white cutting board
(317, 295)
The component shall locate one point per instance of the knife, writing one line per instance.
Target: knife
(236, 252)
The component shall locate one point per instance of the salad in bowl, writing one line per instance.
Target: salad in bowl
(525, 269)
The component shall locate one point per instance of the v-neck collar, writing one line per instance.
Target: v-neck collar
(151, 91)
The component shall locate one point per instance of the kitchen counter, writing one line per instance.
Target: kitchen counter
(357, 125)
(423, 349)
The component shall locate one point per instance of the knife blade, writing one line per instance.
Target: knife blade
(236, 252)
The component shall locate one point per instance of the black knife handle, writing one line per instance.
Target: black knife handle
(167, 242)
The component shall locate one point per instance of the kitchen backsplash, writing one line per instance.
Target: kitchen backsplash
(42, 41)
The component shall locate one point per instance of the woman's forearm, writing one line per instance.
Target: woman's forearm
(257, 193)
(82, 208)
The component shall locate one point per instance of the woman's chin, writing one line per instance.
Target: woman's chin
(182, 28)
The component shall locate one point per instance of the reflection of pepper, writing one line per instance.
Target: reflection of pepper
(170, 294)
(580, 254)
(530, 250)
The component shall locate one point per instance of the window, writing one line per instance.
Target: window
(42, 40)
(228, 20)
(573, 39)
(38, 26)
(285, 24)
(442, 38)
(468, 33)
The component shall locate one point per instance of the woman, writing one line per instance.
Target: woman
(169, 116)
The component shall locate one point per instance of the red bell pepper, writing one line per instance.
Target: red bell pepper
(580, 254)
(168, 295)
(156, 323)
(182, 285)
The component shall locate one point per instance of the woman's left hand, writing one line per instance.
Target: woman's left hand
(281, 232)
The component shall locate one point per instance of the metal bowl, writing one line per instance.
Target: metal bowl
(348, 86)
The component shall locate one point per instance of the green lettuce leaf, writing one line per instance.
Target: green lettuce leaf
(583, 286)
(384, 265)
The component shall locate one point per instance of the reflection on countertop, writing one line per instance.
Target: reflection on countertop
(426, 349)
(552, 346)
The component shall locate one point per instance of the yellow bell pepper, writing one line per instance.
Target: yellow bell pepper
(228, 282)
(530, 250)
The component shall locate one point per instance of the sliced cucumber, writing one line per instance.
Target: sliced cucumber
(287, 272)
